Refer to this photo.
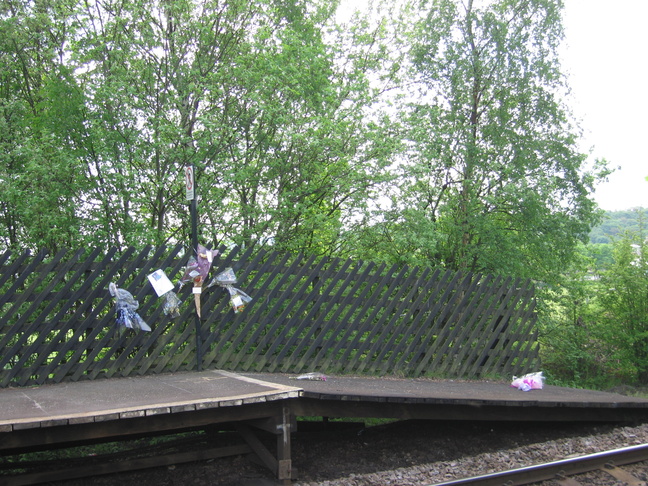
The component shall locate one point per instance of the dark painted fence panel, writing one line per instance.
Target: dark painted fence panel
(57, 318)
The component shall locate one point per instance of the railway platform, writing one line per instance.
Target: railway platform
(67, 413)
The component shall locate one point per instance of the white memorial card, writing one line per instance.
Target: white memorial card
(160, 282)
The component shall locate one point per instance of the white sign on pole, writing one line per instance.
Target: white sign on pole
(190, 184)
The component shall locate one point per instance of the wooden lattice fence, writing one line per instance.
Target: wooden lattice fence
(57, 319)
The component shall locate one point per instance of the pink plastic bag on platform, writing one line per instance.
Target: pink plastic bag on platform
(528, 382)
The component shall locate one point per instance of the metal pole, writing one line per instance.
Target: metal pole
(194, 245)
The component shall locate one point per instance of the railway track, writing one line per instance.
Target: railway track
(566, 471)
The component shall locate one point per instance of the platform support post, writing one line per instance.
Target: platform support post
(284, 459)
(279, 425)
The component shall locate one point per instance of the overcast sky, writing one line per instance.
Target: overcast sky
(605, 55)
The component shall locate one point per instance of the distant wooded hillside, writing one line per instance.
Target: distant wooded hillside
(615, 223)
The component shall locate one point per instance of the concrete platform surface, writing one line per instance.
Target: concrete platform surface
(87, 401)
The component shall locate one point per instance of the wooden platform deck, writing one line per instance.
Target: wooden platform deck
(49, 415)
(352, 396)
(71, 413)
(125, 398)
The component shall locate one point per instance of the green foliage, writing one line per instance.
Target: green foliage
(594, 330)
(428, 136)
(305, 135)
(492, 180)
(614, 224)
(625, 302)
(601, 255)
(103, 105)
(39, 108)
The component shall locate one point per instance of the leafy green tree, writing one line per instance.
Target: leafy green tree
(40, 113)
(105, 103)
(594, 332)
(624, 299)
(163, 85)
(571, 349)
(493, 167)
(305, 155)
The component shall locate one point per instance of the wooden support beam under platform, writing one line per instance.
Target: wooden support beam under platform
(282, 427)
(273, 418)
(431, 411)
(107, 466)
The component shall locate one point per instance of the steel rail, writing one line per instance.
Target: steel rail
(550, 470)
